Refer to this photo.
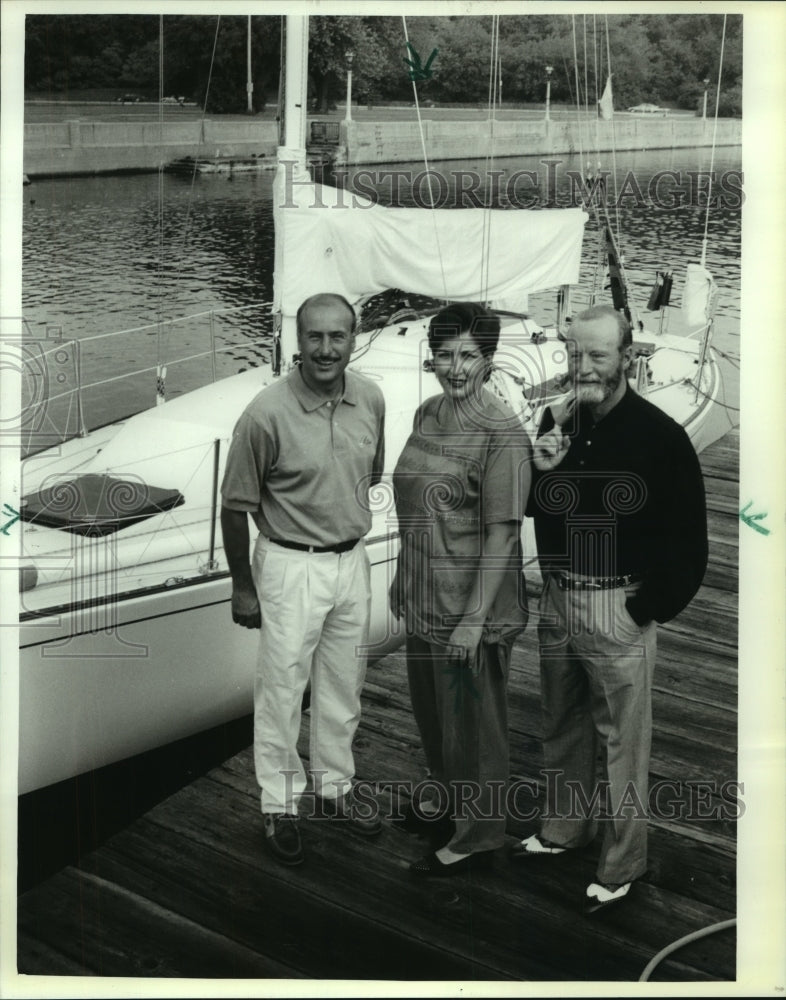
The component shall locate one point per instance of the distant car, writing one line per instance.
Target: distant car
(647, 109)
(130, 98)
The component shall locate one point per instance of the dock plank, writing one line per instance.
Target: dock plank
(187, 889)
(120, 932)
(500, 926)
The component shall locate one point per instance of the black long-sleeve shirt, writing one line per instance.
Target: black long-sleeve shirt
(628, 497)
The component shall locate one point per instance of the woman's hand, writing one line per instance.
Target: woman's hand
(465, 639)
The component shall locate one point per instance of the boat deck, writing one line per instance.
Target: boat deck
(187, 890)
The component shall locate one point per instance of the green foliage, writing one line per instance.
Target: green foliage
(206, 60)
(462, 67)
(370, 39)
(657, 58)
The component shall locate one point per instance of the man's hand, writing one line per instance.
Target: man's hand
(395, 602)
(245, 607)
(551, 448)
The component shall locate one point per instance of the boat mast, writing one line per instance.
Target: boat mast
(296, 83)
(249, 78)
(291, 169)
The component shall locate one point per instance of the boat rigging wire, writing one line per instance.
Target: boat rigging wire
(599, 258)
(361, 351)
(595, 80)
(587, 93)
(567, 77)
(160, 366)
(179, 319)
(717, 402)
(212, 563)
(181, 526)
(611, 251)
(160, 191)
(485, 243)
(613, 143)
(712, 153)
(428, 169)
(201, 131)
(586, 69)
(578, 89)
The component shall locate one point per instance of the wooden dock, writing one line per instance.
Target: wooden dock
(187, 890)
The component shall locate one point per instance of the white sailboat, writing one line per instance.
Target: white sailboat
(126, 639)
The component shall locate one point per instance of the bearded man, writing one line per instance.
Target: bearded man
(621, 529)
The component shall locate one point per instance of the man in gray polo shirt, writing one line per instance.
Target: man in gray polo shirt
(303, 456)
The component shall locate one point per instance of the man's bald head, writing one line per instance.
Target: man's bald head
(324, 299)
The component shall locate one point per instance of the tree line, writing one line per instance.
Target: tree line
(651, 57)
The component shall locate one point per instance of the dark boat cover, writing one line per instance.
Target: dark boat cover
(96, 504)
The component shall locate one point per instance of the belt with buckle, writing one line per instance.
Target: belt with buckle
(300, 547)
(565, 582)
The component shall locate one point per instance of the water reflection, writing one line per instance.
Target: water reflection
(114, 253)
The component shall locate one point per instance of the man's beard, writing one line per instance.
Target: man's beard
(594, 393)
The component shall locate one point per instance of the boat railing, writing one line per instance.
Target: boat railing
(67, 389)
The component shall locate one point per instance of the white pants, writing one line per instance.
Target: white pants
(315, 612)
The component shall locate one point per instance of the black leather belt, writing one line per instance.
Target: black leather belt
(595, 582)
(300, 547)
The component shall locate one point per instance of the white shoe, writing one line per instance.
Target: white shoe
(534, 847)
(597, 896)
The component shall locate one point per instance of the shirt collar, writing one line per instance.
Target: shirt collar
(310, 401)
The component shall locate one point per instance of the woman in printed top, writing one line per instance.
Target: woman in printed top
(461, 484)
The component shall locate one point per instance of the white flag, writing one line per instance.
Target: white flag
(606, 103)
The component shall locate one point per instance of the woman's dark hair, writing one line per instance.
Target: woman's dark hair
(465, 317)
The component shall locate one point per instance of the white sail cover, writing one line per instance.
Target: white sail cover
(336, 241)
(699, 296)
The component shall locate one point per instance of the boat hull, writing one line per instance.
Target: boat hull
(127, 643)
(113, 678)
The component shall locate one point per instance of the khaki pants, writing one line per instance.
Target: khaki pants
(462, 718)
(596, 668)
(315, 612)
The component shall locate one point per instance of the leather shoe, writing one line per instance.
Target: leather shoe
(536, 847)
(599, 896)
(363, 817)
(282, 838)
(432, 867)
(435, 826)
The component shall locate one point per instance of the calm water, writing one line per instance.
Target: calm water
(117, 253)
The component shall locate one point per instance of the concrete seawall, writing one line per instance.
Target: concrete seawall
(396, 142)
(88, 147)
(92, 147)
